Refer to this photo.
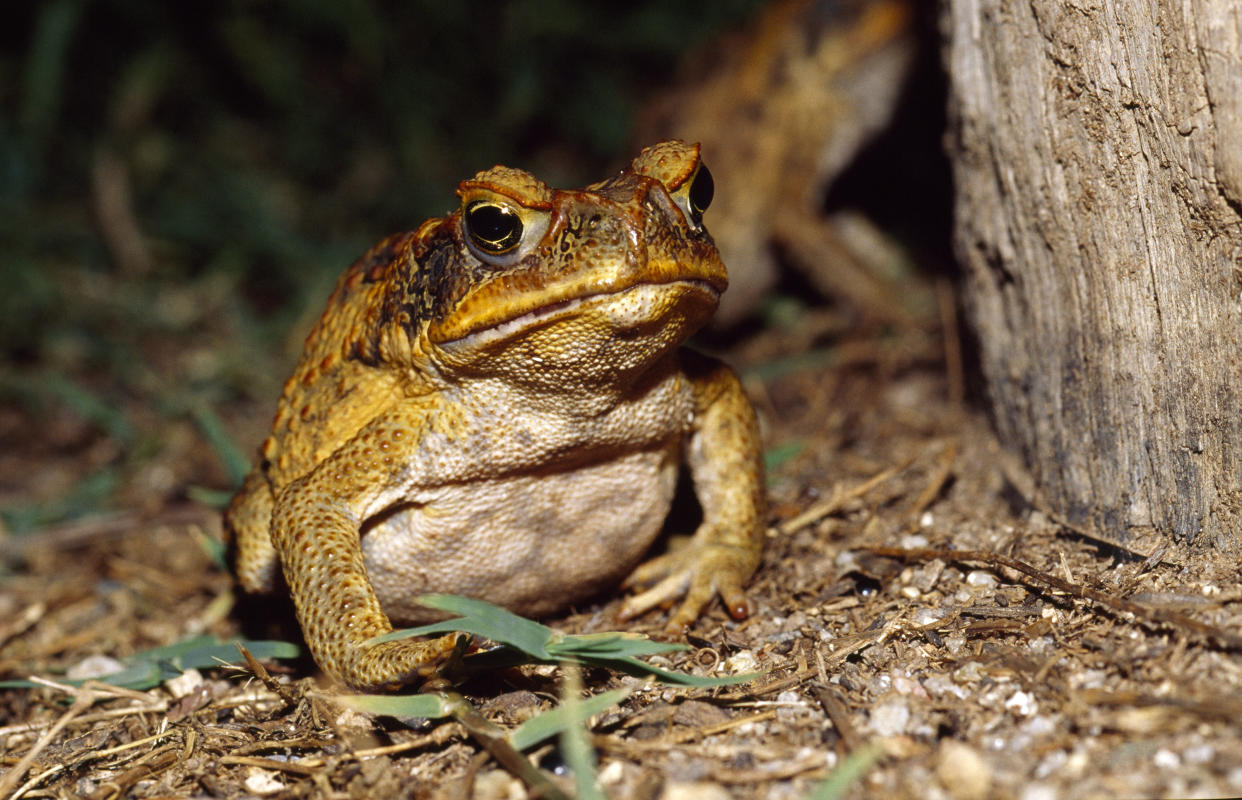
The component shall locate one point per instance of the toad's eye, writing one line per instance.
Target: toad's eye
(493, 228)
(702, 189)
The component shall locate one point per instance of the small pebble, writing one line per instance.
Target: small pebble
(904, 684)
(1022, 703)
(890, 718)
(980, 578)
(791, 706)
(1040, 726)
(93, 667)
(1037, 791)
(697, 790)
(497, 784)
(963, 771)
(740, 662)
(262, 782)
(941, 685)
(1166, 759)
(611, 774)
(184, 683)
(1088, 679)
(1051, 764)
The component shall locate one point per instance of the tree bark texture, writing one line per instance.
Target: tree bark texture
(1097, 149)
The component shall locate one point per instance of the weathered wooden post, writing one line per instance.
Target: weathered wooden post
(1097, 152)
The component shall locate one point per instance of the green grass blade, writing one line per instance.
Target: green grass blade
(609, 645)
(552, 722)
(215, 549)
(44, 79)
(482, 619)
(633, 666)
(203, 651)
(90, 406)
(151, 667)
(139, 677)
(613, 650)
(776, 457)
(575, 739)
(847, 773)
(236, 463)
(212, 498)
(427, 706)
(216, 653)
(801, 362)
(174, 650)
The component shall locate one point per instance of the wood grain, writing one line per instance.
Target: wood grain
(1098, 167)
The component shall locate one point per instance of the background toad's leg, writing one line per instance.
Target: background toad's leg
(248, 526)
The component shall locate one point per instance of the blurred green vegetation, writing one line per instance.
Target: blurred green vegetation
(180, 183)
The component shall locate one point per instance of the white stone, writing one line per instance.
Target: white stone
(262, 782)
(890, 718)
(962, 771)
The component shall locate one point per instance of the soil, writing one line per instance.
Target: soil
(936, 674)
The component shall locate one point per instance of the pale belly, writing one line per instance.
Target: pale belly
(533, 543)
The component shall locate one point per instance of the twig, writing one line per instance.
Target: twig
(114, 207)
(954, 372)
(665, 742)
(944, 468)
(771, 772)
(836, 711)
(769, 688)
(1223, 708)
(88, 719)
(81, 702)
(394, 749)
(1152, 616)
(839, 498)
(81, 531)
(306, 766)
(301, 743)
(137, 743)
(263, 675)
(1022, 482)
(152, 764)
(21, 622)
(774, 771)
(496, 741)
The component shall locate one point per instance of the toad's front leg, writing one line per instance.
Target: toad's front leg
(315, 529)
(725, 455)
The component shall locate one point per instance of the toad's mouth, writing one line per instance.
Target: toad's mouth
(628, 308)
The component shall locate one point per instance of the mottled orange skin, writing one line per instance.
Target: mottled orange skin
(507, 426)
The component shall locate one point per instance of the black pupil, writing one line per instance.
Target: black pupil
(702, 189)
(492, 227)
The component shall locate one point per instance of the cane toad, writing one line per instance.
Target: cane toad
(497, 405)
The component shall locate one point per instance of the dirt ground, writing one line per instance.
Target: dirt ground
(973, 680)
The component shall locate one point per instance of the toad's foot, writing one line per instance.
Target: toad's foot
(406, 662)
(699, 571)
